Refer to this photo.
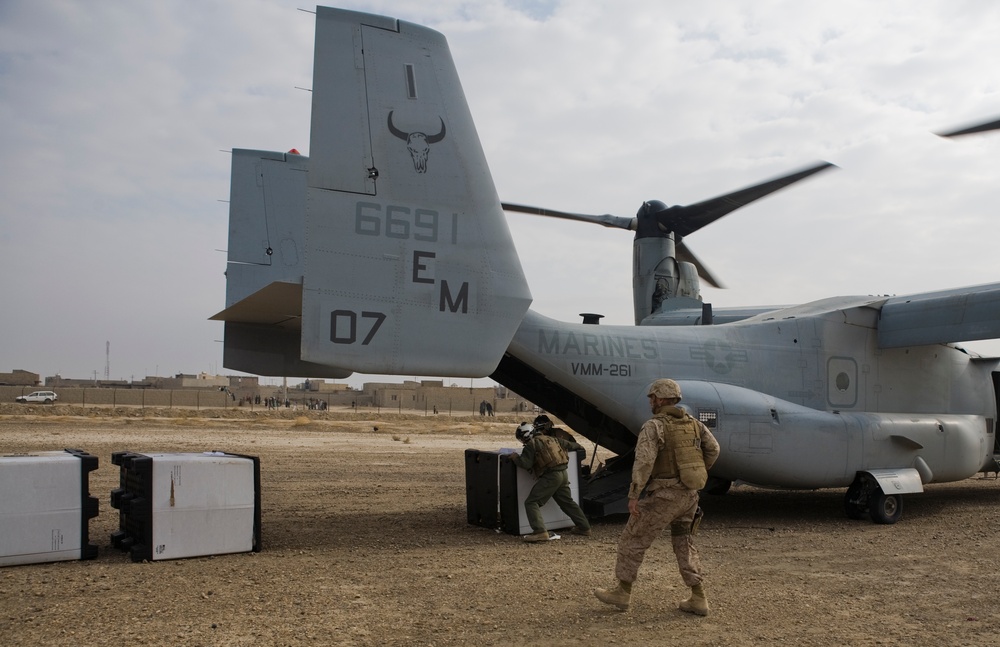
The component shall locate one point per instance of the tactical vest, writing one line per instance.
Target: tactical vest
(548, 453)
(681, 456)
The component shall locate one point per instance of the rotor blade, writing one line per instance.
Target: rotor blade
(617, 222)
(684, 220)
(974, 128)
(684, 253)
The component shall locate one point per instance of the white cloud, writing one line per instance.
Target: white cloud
(114, 114)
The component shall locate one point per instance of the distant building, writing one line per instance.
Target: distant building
(322, 386)
(199, 381)
(429, 396)
(18, 377)
(58, 381)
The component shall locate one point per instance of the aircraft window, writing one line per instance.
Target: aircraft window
(710, 418)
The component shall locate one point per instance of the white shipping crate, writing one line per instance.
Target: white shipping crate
(45, 506)
(176, 505)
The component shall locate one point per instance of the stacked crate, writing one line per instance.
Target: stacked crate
(482, 488)
(176, 505)
(45, 507)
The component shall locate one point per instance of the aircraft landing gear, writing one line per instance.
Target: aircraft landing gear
(885, 508)
(865, 495)
(855, 501)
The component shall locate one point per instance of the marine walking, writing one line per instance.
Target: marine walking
(672, 457)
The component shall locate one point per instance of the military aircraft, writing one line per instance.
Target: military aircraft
(387, 251)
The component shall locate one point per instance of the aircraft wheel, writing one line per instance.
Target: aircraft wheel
(885, 508)
(854, 501)
(716, 486)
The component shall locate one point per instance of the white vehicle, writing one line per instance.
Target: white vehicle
(45, 397)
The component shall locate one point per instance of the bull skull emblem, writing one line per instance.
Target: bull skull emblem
(419, 144)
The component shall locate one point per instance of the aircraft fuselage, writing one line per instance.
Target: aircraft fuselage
(797, 398)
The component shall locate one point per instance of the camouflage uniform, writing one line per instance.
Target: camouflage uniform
(547, 458)
(667, 502)
(559, 432)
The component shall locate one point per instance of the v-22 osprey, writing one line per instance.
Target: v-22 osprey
(387, 251)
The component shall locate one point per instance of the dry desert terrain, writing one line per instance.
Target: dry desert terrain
(366, 542)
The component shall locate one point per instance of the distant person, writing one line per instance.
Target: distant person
(547, 458)
(544, 424)
(672, 458)
(489, 409)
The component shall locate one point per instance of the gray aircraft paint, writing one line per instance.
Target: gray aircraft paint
(386, 251)
(426, 253)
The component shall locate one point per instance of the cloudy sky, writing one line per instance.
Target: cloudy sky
(116, 117)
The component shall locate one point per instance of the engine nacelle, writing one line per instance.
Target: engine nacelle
(658, 276)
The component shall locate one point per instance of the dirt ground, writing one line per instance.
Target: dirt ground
(366, 542)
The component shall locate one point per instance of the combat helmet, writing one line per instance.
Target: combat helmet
(525, 431)
(664, 388)
(543, 423)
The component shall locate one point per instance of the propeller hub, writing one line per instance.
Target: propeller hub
(649, 224)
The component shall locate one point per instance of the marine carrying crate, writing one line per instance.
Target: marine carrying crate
(495, 491)
(176, 505)
(45, 507)
(516, 484)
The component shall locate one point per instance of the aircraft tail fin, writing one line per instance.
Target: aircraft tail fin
(410, 268)
(263, 314)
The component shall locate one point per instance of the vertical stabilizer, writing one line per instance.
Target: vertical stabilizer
(409, 264)
(263, 312)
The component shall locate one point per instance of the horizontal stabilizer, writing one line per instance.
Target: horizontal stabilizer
(963, 314)
(270, 350)
(278, 304)
(263, 312)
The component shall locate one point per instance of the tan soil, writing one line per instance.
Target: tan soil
(366, 543)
